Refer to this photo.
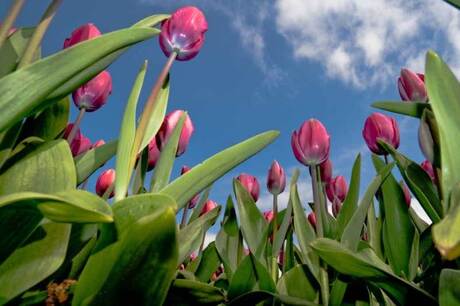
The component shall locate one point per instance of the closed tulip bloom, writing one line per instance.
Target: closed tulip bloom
(85, 32)
(167, 127)
(68, 129)
(276, 180)
(337, 188)
(268, 215)
(407, 196)
(379, 126)
(94, 94)
(98, 143)
(336, 206)
(80, 145)
(105, 181)
(310, 143)
(192, 203)
(325, 169)
(183, 33)
(312, 219)
(411, 86)
(208, 206)
(428, 167)
(154, 154)
(251, 184)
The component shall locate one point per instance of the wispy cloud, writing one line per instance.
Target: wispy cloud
(365, 42)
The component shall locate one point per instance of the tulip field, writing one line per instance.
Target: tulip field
(139, 239)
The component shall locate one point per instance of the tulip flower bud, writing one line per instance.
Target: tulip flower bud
(80, 145)
(428, 167)
(167, 127)
(312, 219)
(105, 181)
(192, 203)
(406, 192)
(98, 143)
(68, 129)
(208, 206)
(336, 206)
(310, 143)
(276, 180)
(246, 252)
(251, 184)
(380, 127)
(337, 188)
(325, 170)
(183, 33)
(153, 154)
(411, 86)
(94, 94)
(268, 215)
(85, 32)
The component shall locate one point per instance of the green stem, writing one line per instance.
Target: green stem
(184, 217)
(317, 201)
(324, 278)
(39, 32)
(9, 20)
(76, 125)
(275, 228)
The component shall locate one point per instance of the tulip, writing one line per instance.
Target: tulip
(337, 188)
(183, 33)
(312, 219)
(310, 143)
(411, 86)
(105, 181)
(325, 170)
(268, 215)
(153, 154)
(98, 144)
(208, 206)
(251, 185)
(80, 145)
(85, 32)
(167, 127)
(192, 203)
(336, 206)
(407, 197)
(380, 127)
(428, 167)
(94, 94)
(276, 180)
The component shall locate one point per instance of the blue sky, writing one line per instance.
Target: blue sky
(271, 65)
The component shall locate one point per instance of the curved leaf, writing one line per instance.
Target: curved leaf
(412, 108)
(298, 282)
(87, 163)
(190, 292)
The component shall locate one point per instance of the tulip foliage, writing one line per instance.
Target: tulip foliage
(63, 245)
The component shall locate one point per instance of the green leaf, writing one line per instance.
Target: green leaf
(24, 90)
(298, 282)
(201, 176)
(134, 270)
(86, 164)
(79, 261)
(34, 262)
(199, 206)
(68, 206)
(253, 224)
(449, 292)
(190, 292)
(209, 263)
(280, 236)
(398, 230)
(419, 183)
(165, 163)
(352, 198)
(151, 21)
(412, 109)
(125, 151)
(365, 264)
(13, 48)
(414, 257)
(189, 238)
(444, 94)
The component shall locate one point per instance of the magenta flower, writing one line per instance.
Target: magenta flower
(337, 188)
(336, 206)
(183, 33)
(167, 127)
(104, 181)
(380, 126)
(92, 95)
(407, 196)
(154, 154)
(85, 32)
(428, 167)
(325, 169)
(251, 184)
(411, 86)
(312, 219)
(80, 145)
(208, 206)
(310, 143)
(268, 215)
(192, 203)
(276, 180)
(98, 143)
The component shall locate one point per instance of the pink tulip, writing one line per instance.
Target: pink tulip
(251, 184)
(183, 33)
(192, 203)
(379, 126)
(411, 86)
(98, 144)
(325, 169)
(167, 127)
(153, 154)
(268, 215)
(406, 192)
(85, 32)
(428, 167)
(310, 143)
(312, 219)
(94, 94)
(208, 206)
(336, 206)
(104, 181)
(337, 188)
(276, 180)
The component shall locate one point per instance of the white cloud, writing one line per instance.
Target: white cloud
(419, 210)
(365, 42)
(265, 202)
